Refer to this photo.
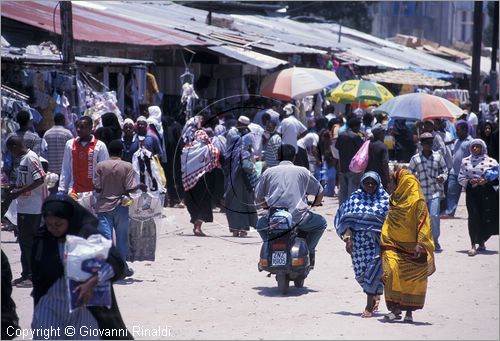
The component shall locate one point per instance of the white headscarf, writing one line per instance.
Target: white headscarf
(155, 118)
(128, 121)
(474, 166)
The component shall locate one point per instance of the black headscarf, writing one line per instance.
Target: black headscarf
(82, 223)
(488, 139)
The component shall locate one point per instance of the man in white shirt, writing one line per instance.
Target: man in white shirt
(308, 150)
(291, 129)
(81, 156)
(30, 193)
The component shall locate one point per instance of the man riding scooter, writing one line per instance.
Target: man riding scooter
(287, 186)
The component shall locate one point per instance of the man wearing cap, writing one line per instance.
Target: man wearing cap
(378, 155)
(291, 128)
(240, 179)
(238, 131)
(430, 169)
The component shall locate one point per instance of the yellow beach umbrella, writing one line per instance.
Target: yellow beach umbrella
(360, 91)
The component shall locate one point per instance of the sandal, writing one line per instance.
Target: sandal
(366, 314)
(243, 234)
(198, 232)
(376, 304)
(392, 317)
(472, 252)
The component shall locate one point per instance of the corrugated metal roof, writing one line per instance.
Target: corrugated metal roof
(20, 54)
(370, 50)
(248, 56)
(157, 23)
(162, 23)
(5, 43)
(93, 23)
(193, 20)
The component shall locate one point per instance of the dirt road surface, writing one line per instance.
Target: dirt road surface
(209, 288)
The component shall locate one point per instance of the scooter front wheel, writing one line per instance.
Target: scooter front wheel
(283, 283)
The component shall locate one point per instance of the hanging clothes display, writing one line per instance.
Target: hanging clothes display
(145, 208)
(457, 96)
(99, 103)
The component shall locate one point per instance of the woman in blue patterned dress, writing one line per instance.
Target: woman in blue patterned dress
(358, 222)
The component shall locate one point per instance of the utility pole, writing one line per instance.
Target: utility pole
(340, 29)
(476, 55)
(68, 53)
(494, 56)
(67, 33)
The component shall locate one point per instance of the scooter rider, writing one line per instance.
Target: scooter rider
(287, 185)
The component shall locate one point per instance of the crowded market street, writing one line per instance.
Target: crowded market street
(210, 288)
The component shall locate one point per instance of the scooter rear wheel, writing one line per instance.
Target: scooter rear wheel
(283, 283)
(299, 282)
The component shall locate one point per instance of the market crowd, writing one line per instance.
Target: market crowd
(116, 173)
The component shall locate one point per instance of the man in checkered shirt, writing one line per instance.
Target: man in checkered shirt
(430, 169)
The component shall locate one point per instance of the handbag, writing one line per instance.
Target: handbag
(360, 160)
(163, 179)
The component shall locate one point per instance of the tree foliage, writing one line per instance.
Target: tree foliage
(354, 14)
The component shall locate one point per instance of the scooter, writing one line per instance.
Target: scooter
(284, 252)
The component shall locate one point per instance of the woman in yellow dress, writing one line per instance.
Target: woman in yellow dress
(407, 248)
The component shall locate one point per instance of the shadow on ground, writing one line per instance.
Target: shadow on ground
(479, 253)
(358, 314)
(414, 323)
(274, 292)
(128, 281)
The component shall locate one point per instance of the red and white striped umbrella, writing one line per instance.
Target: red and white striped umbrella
(297, 83)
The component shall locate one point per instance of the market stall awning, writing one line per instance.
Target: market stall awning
(405, 77)
(248, 56)
(32, 56)
(484, 66)
(432, 74)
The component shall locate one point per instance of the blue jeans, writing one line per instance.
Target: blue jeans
(453, 195)
(433, 205)
(118, 220)
(331, 174)
(314, 225)
(348, 183)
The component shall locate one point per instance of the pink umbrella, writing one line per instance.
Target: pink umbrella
(297, 83)
(419, 106)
